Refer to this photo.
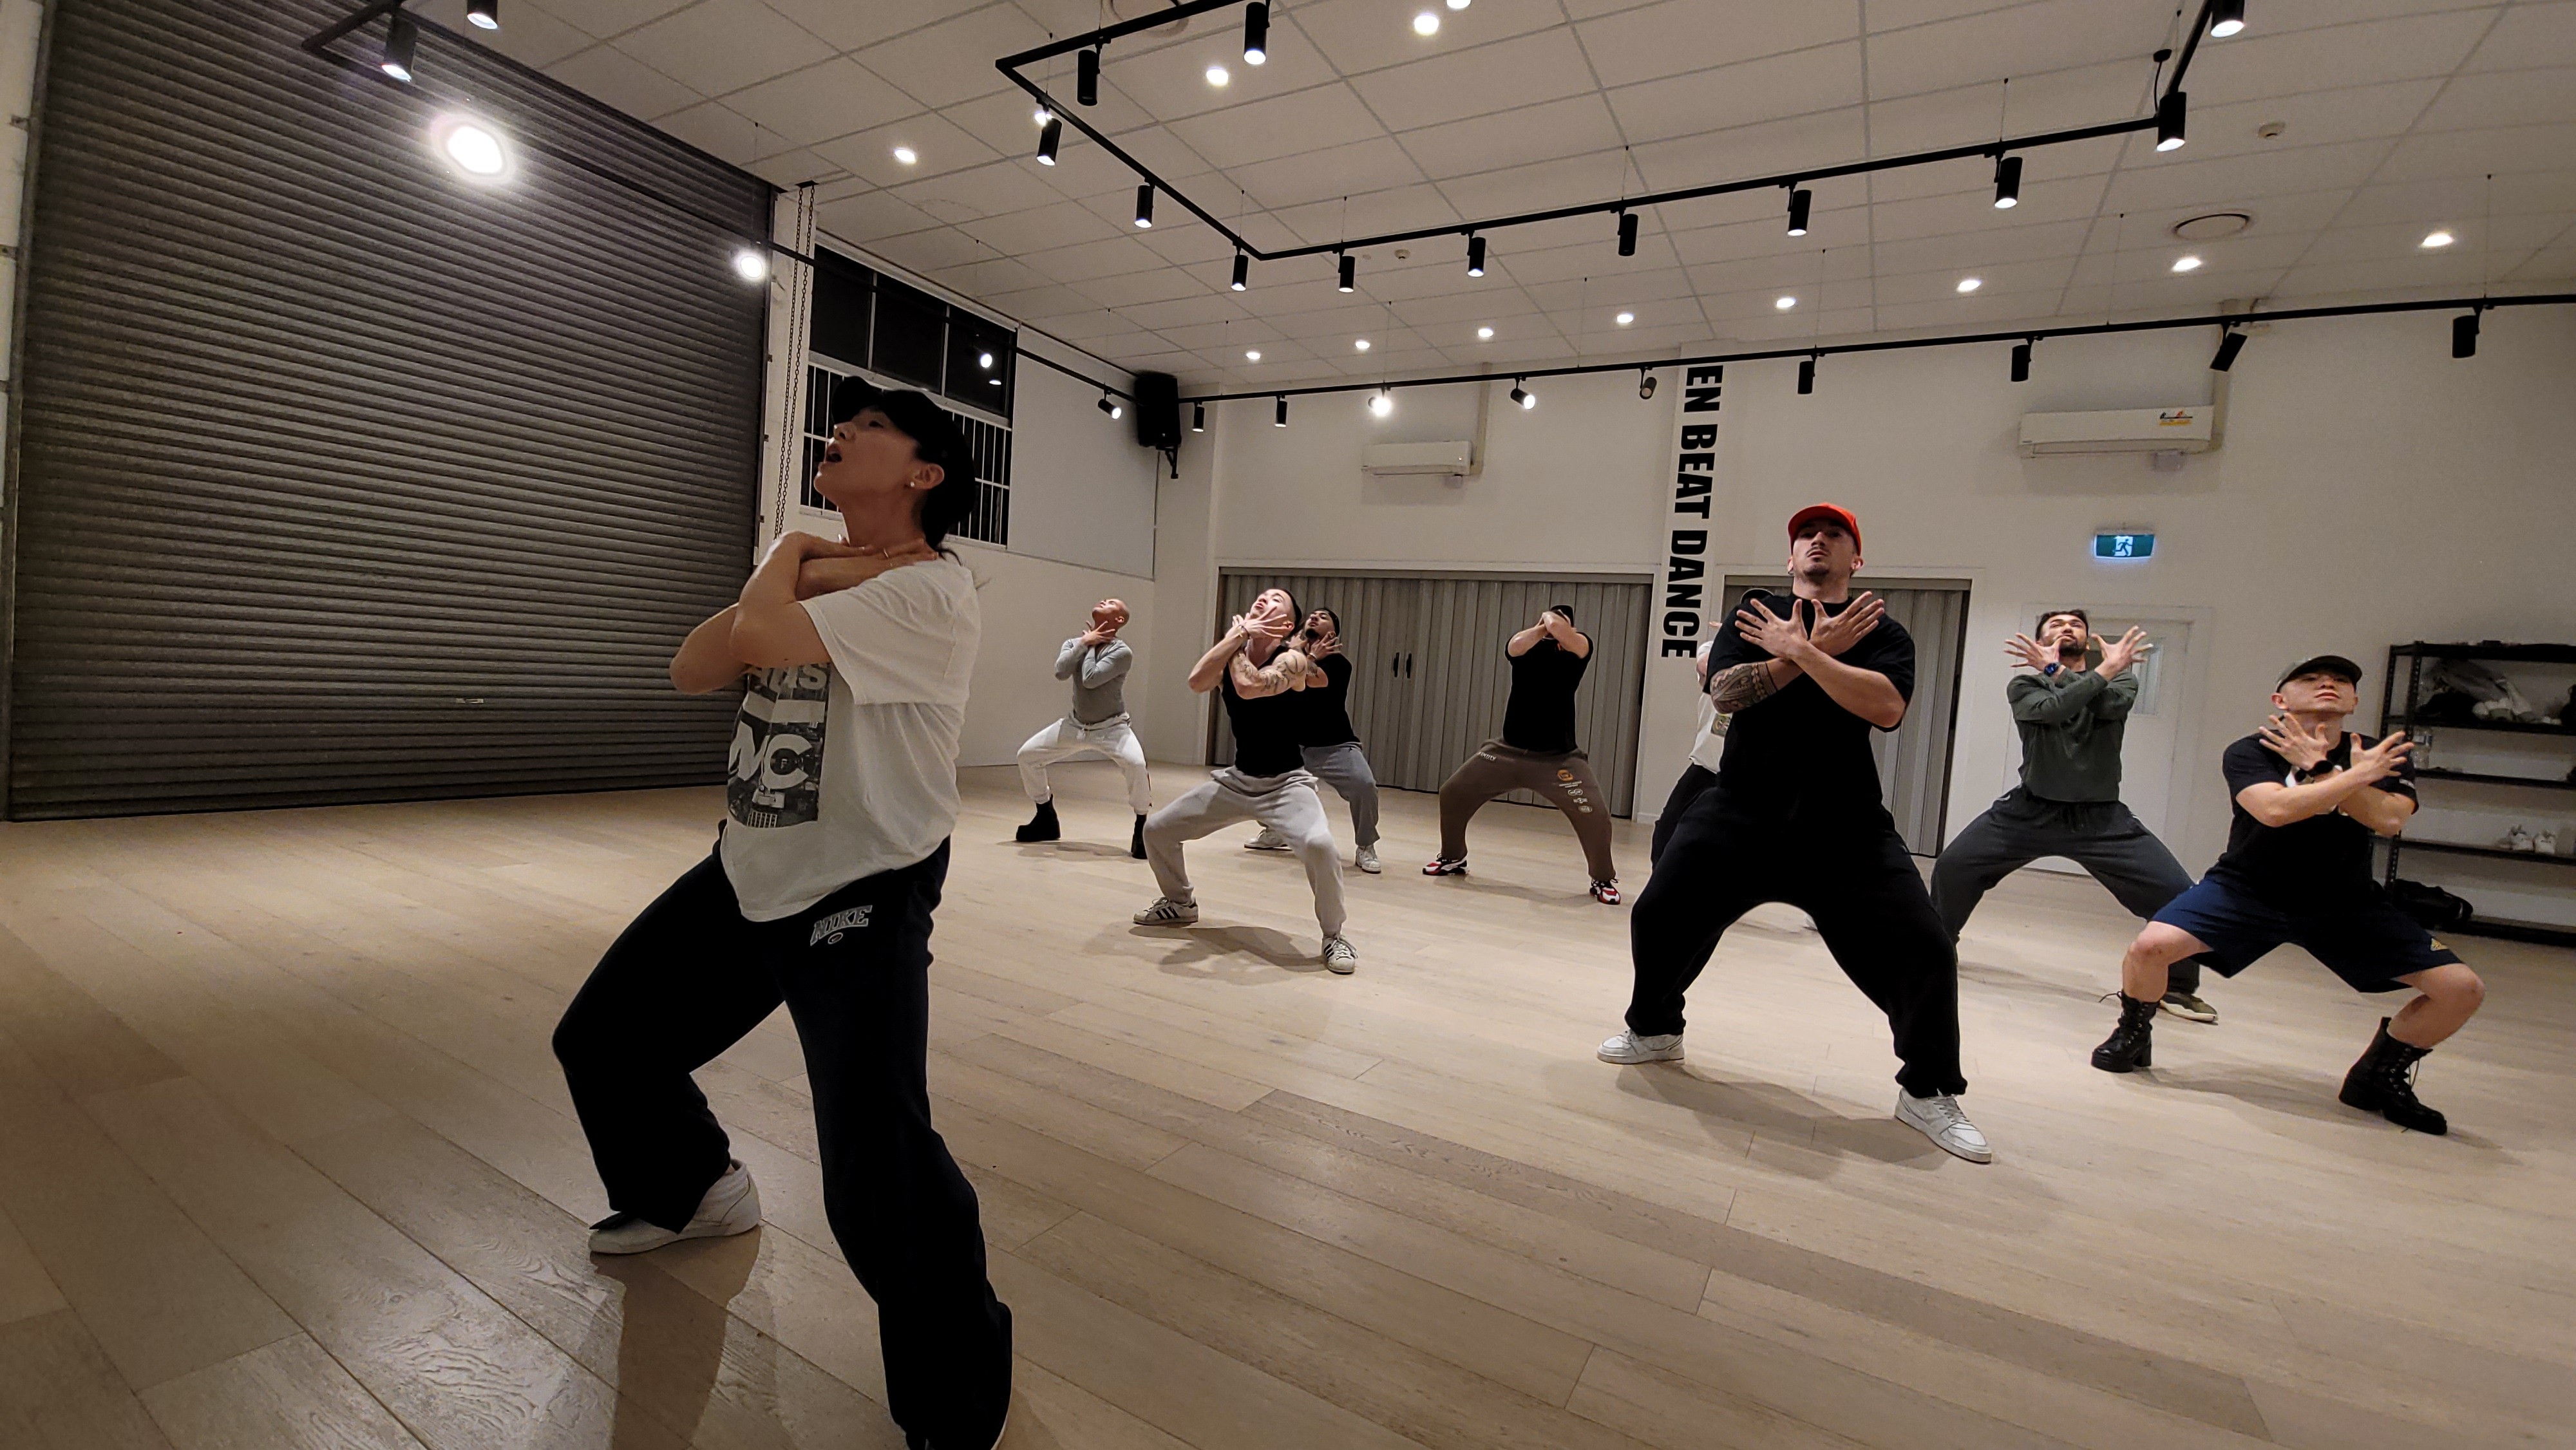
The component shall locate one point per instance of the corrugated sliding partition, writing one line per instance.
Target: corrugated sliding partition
(343, 478)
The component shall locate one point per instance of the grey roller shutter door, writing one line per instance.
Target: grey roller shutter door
(339, 478)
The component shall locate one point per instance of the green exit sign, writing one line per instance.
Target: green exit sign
(2124, 546)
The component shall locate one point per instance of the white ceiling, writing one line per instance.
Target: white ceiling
(2394, 113)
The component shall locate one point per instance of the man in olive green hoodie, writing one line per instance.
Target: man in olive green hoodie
(2071, 712)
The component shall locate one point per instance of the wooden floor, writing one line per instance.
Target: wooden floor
(285, 1162)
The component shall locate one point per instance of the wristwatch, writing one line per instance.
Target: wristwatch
(2049, 670)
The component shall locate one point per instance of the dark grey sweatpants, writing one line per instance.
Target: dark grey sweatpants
(2103, 837)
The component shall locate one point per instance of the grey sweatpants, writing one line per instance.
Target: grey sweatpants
(2103, 837)
(1286, 804)
(1345, 767)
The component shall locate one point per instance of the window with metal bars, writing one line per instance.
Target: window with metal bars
(988, 521)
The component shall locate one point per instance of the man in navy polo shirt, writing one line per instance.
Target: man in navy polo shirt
(2309, 796)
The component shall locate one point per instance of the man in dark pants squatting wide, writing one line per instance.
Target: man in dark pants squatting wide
(1795, 815)
(2308, 799)
(2071, 715)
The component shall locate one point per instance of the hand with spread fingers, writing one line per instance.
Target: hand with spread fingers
(1777, 637)
(2379, 762)
(2021, 649)
(2127, 650)
(2293, 740)
(1835, 633)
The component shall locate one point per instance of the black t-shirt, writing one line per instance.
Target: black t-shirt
(1325, 708)
(2323, 856)
(1540, 714)
(1798, 753)
(1265, 731)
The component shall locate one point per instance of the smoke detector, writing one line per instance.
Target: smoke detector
(2271, 130)
(2209, 226)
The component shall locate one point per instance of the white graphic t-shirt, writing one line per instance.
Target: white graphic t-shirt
(845, 770)
(1709, 741)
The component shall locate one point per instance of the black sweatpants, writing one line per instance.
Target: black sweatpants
(1695, 779)
(686, 981)
(2103, 837)
(1853, 875)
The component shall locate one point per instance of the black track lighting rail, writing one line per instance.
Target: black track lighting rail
(2470, 305)
(320, 41)
(1092, 41)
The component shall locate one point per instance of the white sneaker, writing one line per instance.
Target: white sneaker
(1167, 912)
(1628, 1047)
(1366, 860)
(1938, 1118)
(1268, 840)
(731, 1206)
(1341, 956)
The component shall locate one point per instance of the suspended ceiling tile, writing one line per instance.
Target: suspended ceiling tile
(2255, 65)
(1039, 303)
(1376, 164)
(870, 218)
(609, 75)
(2514, 236)
(2031, 39)
(848, 26)
(2460, 200)
(720, 46)
(605, 18)
(2435, 275)
(1545, 66)
(938, 146)
(1771, 148)
(715, 129)
(972, 194)
(2504, 151)
(930, 252)
(1085, 261)
(793, 168)
(1969, 250)
(1994, 281)
(1540, 132)
(822, 102)
(2232, 178)
(1171, 83)
(1280, 126)
(2506, 98)
(1678, 36)
(952, 61)
(2551, 264)
(1370, 215)
(995, 277)
(1823, 79)
(1161, 315)
(1359, 36)
(1793, 275)
(2529, 35)
(1599, 259)
(1973, 212)
(2311, 118)
(1006, 121)
(532, 38)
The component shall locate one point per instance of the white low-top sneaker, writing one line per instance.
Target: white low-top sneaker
(1268, 840)
(1341, 956)
(1365, 859)
(1940, 1119)
(1629, 1047)
(730, 1206)
(1167, 912)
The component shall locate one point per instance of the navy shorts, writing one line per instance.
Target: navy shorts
(2361, 938)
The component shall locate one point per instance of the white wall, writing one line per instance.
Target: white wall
(1031, 606)
(1082, 492)
(2371, 490)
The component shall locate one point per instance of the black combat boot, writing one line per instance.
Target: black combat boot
(1042, 826)
(2383, 1082)
(1136, 842)
(2132, 1044)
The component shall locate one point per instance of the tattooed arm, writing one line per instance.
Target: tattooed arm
(1740, 687)
(1286, 671)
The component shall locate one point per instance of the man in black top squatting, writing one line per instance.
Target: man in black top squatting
(1795, 816)
(2309, 797)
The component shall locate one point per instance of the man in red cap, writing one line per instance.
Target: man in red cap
(1795, 815)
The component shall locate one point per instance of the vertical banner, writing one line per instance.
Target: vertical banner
(1687, 595)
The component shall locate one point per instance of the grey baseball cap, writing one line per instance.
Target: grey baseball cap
(2321, 665)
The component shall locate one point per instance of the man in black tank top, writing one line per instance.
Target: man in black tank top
(1258, 676)
(1537, 752)
(1332, 749)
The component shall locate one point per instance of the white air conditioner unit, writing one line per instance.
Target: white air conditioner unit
(1453, 459)
(2186, 429)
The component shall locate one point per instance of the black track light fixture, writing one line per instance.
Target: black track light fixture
(1627, 234)
(2226, 17)
(1475, 256)
(1049, 139)
(1110, 405)
(1198, 417)
(1086, 77)
(402, 44)
(2230, 343)
(486, 14)
(1806, 376)
(2464, 335)
(1800, 199)
(1256, 33)
(2007, 182)
(1145, 205)
(1523, 396)
(1279, 419)
(1645, 382)
(2021, 361)
(1350, 273)
(1242, 272)
(2169, 114)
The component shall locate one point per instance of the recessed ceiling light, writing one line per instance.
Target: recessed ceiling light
(750, 266)
(472, 146)
(1252, 354)
(1624, 318)
(984, 360)
(1217, 75)
(1426, 23)
(2209, 226)
(2186, 264)
(1361, 343)
(1484, 334)
(906, 155)
(2438, 239)
(1381, 404)
(1457, 4)
(1971, 284)
(1785, 303)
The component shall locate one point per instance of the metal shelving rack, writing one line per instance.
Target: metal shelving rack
(2406, 662)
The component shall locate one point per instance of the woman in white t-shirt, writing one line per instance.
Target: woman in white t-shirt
(842, 790)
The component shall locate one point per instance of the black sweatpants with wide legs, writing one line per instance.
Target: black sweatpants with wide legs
(2103, 837)
(686, 981)
(1852, 874)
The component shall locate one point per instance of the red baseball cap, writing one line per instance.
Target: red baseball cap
(1843, 516)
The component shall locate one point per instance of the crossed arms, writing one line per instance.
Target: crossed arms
(1807, 643)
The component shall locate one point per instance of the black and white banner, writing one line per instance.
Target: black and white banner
(1688, 590)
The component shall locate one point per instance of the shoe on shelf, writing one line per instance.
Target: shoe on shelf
(1340, 956)
(1630, 1047)
(1136, 842)
(1443, 866)
(730, 1206)
(1606, 892)
(2189, 1007)
(1940, 1119)
(2383, 1082)
(1365, 858)
(1042, 826)
(1167, 912)
(1269, 840)
(2132, 1044)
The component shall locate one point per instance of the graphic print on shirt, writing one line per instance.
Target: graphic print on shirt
(775, 775)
